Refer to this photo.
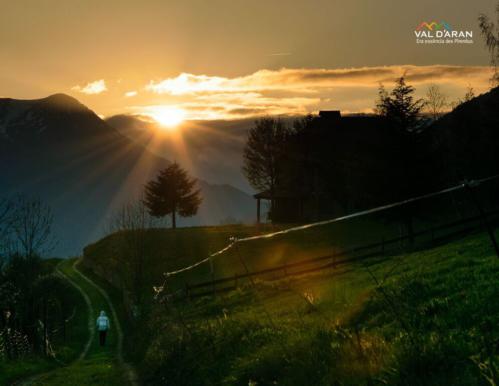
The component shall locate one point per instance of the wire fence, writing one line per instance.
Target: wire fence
(434, 236)
(446, 213)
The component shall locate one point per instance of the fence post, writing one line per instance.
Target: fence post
(469, 187)
(212, 274)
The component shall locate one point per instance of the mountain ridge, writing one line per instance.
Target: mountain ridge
(57, 149)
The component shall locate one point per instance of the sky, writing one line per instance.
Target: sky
(229, 59)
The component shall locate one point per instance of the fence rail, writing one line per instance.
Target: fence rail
(347, 255)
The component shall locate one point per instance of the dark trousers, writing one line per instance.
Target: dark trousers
(102, 337)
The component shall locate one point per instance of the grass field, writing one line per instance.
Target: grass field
(423, 318)
(66, 350)
(100, 366)
(165, 249)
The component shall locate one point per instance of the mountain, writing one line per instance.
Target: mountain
(59, 150)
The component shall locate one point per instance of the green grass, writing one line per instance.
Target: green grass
(432, 321)
(66, 351)
(132, 341)
(100, 366)
(166, 249)
(420, 318)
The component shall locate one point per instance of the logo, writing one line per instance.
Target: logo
(434, 26)
(441, 33)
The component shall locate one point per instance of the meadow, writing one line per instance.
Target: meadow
(421, 314)
(422, 318)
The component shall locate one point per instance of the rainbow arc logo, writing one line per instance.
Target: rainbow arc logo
(434, 26)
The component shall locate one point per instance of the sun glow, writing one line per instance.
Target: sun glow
(167, 116)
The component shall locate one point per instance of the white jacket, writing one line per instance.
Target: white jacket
(103, 322)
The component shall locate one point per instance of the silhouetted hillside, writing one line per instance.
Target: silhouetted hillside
(61, 151)
(468, 139)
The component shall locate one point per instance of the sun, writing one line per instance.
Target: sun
(168, 117)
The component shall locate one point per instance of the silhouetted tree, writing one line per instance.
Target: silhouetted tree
(172, 192)
(402, 113)
(399, 107)
(435, 101)
(263, 153)
(33, 305)
(31, 227)
(470, 94)
(6, 209)
(131, 222)
(490, 33)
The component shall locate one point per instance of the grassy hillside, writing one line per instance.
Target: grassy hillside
(166, 250)
(425, 318)
(422, 318)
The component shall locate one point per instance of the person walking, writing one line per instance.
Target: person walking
(103, 326)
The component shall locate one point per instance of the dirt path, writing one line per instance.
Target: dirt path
(131, 374)
(95, 365)
(91, 325)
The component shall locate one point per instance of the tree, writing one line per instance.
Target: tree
(435, 101)
(490, 33)
(131, 222)
(31, 227)
(6, 209)
(470, 94)
(399, 107)
(402, 113)
(263, 153)
(172, 192)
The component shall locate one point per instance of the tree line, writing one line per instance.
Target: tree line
(35, 304)
(337, 166)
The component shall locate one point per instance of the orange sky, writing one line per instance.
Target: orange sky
(232, 58)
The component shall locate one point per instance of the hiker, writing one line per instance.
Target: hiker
(102, 326)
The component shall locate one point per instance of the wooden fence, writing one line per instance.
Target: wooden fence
(436, 235)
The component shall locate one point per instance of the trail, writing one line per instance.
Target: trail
(131, 374)
(94, 365)
(90, 308)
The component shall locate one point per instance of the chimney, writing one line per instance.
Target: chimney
(330, 115)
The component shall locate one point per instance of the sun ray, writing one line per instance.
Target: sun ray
(168, 117)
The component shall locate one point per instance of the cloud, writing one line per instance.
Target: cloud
(312, 79)
(300, 91)
(91, 88)
(130, 94)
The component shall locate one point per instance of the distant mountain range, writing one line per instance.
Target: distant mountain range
(59, 150)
